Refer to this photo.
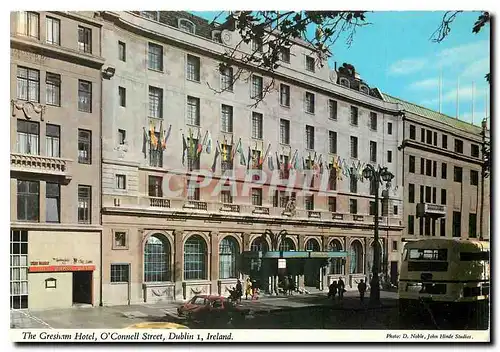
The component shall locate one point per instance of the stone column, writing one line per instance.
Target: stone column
(244, 262)
(178, 264)
(302, 248)
(347, 260)
(213, 253)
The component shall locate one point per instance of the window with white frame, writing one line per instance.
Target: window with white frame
(84, 146)
(53, 33)
(309, 202)
(119, 273)
(84, 96)
(195, 258)
(226, 197)
(284, 131)
(257, 87)
(28, 200)
(85, 39)
(285, 55)
(28, 136)
(28, 23)
(228, 258)
(310, 102)
(193, 68)
(155, 186)
(52, 140)
(187, 26)
(310, 63)
(193, 190)
(155, 102)
(257, 196)
(309, 137)
(193, 111)
(84, 204)
(226, 118)
(155, 57)
(53, 89)
(121, 181)
(332, 142)
(332, 109)
(119, 239)
(285, 95)
(28, 84)
(19, 269)
(52, 202)
(257, 120)
(157, 255)
(227, 79)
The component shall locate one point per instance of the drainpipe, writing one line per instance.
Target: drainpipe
(100, 172)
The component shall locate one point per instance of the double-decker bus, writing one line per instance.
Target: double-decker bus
(444, 274)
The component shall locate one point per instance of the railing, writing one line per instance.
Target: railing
(234, 208)
(314, 214)
(261, 210)
(336, 216)
(196, 204)
(159, 202)
(358, 217)
(40, 164)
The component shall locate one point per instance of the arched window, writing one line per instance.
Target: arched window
(312, 245)
(345, 82)
(157, 259)
(335, 263)
(356, 255)
(186, 26)
(228, 254)
(287, 245)
(195, 259)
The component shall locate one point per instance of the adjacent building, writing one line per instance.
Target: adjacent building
(55, 159)
(163, 246)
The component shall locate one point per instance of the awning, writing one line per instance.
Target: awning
(293, 254)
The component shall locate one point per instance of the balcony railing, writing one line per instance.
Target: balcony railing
(261, 210)
(424, 209)
(337, 216)
(314, 214)
(196, 204)
(159, 202)
(234, 208)
(39, 164)
(356, 217)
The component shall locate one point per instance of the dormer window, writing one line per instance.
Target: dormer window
(216, 36)
(152, 15)
(364, 89)
(345, 82)
(186, 25)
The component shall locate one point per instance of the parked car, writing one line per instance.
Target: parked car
(211, 308)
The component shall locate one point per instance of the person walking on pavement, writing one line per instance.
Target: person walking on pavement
(286, 285)
(248, 288)
(362, 290)
(340, 286)
(239, 290)
(291, 285)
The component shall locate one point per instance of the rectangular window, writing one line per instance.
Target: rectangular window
(412, 132)
(257, 87)
(428, 167)
(122, 95)
(354, 147)
(472, 225)
(155, 57)
(389, 127)
(310, 102)
(285, 95)
(53, 89)
(122, 135)
(28, 137)
(394, 245)
(332, 142)
(53, 140)
(434, 168)
(119, 273)
(227, 118)
(354, 115)
(155, 186)
(310, 63)
(443, 196)
(422, 194)
(459, 146)
(28, 200)
(443, 171)
(227, 80)
(422, 135)
(474, 150)
(411, 161)
(121, 182)
(84, 146)
(332, 204)
(373, 121)
(474, 177)
(444, 141)
(52, 202)
(457, 174)
(28, 24)
(353, 182)
(435, 138)
(434, 195)
(411, 193)
(309, 137)
(371, 208)
(122, 51)
(84, 96)
(193, 111)
(284, 131)
(84, 204)
(193, 68)
(226, 197)
(28, 84)
(353, 206)
(457, 224)
(257, 125)
(389, 156)
(85, 39)
(53, 34)
(428, 194)
(429, 137)
(226, 161)
(309, 202)
(373, 151)
(395, 210)
(19, 269)
(332, 109)
(257, 196)
(285, 54)
(411, 224)
(442, 227)
(193, 191)
(156, 102)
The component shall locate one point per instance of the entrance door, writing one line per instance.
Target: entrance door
(82, 287)
(394, 273)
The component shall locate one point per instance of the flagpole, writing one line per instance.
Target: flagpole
(472, 102)
(458, 98)
(440, 86)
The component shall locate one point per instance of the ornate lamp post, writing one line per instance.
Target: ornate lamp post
(485, 172)
(377, 175)
(275, 239)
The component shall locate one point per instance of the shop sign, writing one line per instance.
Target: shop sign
(60, 268)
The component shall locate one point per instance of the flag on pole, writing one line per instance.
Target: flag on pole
(249, 158)
(166, 137)
(265, 155)
(209, 143)
(270, 164)
(242, 154)
(153, 139)
(144, 141)
(214, 164)
(199, 147)
(278, 164)
(184, 150)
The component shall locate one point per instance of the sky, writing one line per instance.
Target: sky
(395, 54)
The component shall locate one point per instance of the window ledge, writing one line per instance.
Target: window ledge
(285, 106)
(193, 80)
(157, 284)
(155, 70)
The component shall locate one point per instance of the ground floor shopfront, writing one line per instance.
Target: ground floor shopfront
(150, 259)
(54, 268)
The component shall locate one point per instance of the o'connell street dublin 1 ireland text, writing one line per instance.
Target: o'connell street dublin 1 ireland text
(208, 176)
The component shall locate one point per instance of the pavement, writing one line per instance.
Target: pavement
(117, 317)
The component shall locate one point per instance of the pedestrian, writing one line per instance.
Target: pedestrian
(332, 290)
(362, 290)
(286, 285)
(248, 288)
(254, 290)
(291, 285)
(239, 290)
(340, 286)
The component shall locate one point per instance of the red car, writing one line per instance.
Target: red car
(204, 308)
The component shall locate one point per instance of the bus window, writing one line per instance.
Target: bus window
(474, 256)
(428, 254)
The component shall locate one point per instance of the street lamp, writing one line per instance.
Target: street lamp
(378, 176)
(275, 239)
